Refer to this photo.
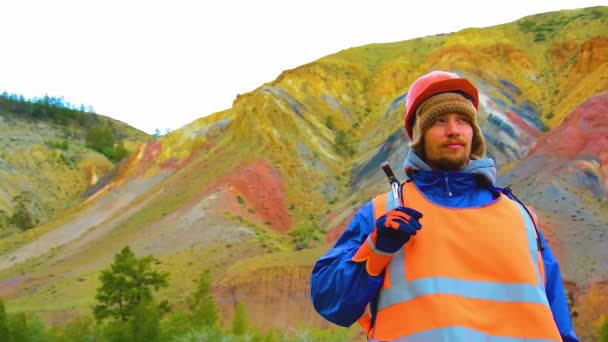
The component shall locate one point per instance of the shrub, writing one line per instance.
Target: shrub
(329, 122)
(61, 145)
(22, 218)
(345, 143)
(240, 320)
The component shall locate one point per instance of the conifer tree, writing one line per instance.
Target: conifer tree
(128, 282)
(203, 310)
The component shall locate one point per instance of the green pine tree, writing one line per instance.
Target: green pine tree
(128, 282)
(203, 310)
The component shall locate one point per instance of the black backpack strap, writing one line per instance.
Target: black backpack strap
(509, 193)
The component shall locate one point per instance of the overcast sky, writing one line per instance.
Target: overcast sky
(162, 64)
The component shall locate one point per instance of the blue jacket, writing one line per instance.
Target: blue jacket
(341, 288)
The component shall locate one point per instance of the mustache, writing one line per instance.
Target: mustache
(455, 141)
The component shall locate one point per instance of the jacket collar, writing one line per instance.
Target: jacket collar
(483, 167)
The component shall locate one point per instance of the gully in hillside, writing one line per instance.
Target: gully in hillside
(452, 257)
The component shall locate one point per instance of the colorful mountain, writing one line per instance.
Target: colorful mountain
(258, 192)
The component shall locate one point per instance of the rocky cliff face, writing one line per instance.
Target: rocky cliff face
(573, 157)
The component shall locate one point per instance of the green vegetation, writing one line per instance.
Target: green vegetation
(130, 313)
(43, 150)
(103, 134)
(53, 109)
(203, 310)
(22, 218)
(19, 327)
(239, 323)
(63, 145)
(329, 122)
(3, 322)
(306, 235)
(603, 333)
(101, 139)
(345, 143)
(550, 26)
(363, 81)
(126, 288)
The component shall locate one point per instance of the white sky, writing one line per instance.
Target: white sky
(162, 64)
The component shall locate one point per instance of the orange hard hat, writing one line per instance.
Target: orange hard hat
(434, 83)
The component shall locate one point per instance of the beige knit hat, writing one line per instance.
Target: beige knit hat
(442, 104)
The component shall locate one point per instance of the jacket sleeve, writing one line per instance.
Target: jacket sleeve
(340, 287)
(556, 294)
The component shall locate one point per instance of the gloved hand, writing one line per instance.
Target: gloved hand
(396, 227)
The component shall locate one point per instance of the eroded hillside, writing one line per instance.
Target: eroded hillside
(257, 192)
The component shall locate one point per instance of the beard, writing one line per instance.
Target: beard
(454, 163)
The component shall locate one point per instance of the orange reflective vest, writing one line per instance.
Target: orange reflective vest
(470, 274)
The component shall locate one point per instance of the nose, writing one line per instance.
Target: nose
(452, 127)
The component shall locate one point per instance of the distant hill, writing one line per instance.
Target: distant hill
(256, 193)
(44, 158)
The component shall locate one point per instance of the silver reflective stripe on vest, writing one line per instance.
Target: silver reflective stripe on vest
(532, 243)
(397, 264)
(466, 288)
(391, 202)
(459, 334)
(402, 290)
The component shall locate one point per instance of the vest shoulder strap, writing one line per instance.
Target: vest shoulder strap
(509, 193)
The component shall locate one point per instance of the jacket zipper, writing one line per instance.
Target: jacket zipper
(447, 185)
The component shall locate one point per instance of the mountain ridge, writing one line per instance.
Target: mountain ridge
(275, 179)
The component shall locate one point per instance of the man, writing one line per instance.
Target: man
(450, 257)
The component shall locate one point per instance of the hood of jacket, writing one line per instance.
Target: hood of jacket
(483, 167)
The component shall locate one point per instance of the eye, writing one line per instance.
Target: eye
(440, 120)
